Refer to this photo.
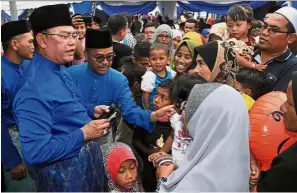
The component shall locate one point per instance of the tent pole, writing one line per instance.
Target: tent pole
(289, 3)
(94, 7)
(13, 10)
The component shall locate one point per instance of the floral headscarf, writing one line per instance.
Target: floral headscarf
(220, 29)
(221, 62)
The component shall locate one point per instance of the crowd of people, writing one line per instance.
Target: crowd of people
(140, 105)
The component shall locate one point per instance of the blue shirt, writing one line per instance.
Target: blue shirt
(49, 113)
(113, 86)
(150, 83)
(10, 75)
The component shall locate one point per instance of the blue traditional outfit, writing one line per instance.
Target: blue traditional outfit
(112, 86)
(50, 114)
(10, 75)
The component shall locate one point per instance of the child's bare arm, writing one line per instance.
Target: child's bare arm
(146, 98)
(138, 143)
(246, 63)
(167, 145)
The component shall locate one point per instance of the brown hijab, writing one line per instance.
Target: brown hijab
(222, 62)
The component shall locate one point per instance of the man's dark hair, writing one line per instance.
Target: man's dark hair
(258, 82)
(97, 20)
(182, 86)
(133, 73)
(182, 25)
(116, 23)
(167, 84)
(192, 20)
(5, 45)
(128, 17)
(151, 24)
(142, 50)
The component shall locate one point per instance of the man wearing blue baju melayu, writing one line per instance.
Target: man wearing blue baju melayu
(100, 84)
(17, 41)
(56, 131)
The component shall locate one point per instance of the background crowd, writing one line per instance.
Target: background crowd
(145, 104)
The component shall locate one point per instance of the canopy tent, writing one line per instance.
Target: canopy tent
(142, 7)
(24, 7)
(167, 8)
(218, 8)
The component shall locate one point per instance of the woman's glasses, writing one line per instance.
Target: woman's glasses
(163, 36)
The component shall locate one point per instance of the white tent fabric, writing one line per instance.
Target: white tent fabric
(21, 5)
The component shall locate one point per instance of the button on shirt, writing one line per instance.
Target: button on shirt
(113, 86)
(280, 67)
(49, 113)
(10, 75)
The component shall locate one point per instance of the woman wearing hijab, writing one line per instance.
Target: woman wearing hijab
(216, 62)
(121, 168)
(219, 31)
(164, 35)
(194, 37)
(183, 57)
(218, 158)
(177, 37)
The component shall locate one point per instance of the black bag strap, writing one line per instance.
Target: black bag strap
(282, 144)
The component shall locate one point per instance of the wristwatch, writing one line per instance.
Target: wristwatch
(160, 181)
(163, 179)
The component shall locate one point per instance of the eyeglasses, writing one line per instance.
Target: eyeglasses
(101, 58)
(163, 36)
(65, 36)
(271, 30)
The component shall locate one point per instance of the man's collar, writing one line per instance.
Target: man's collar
(282, 58)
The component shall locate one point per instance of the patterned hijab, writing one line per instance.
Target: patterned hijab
(221, 62)
(112, 186)
(220, 29)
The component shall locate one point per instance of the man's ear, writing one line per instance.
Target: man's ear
(14, 44)
(40, 39)
(133, 59)
(292, 38)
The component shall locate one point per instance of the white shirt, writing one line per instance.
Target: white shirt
(181, 140)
